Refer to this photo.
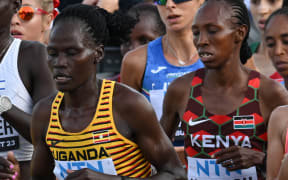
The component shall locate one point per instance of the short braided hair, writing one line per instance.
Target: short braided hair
(101, 25)
(147, 9)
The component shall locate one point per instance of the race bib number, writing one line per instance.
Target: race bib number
(105, 166)
(9, 137)
(9, 143)
(157, 98)
(207, 169)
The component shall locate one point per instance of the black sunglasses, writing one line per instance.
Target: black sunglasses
(163, 2)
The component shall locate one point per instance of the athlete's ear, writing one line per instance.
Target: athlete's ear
(240, 33)
(99, 54)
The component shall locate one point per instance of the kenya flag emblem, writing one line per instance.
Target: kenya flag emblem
(244, 122)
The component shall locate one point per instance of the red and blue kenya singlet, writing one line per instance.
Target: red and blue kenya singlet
(207, 133)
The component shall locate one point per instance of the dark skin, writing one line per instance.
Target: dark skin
(276, 43)
(275, 39)
(36, 78)
(82, 90)
(142, 33)
(225, 82)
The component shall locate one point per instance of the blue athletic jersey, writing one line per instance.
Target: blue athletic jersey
(159, 73)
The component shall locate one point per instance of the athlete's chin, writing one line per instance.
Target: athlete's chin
(63, 88)
(210, 65)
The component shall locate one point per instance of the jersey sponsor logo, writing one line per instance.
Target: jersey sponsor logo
(176, 75)
(205, 169)
(2, 84)
(160, 68)
(105, 166)
(80, 155)
(244, 122)
(217, 141)
(193, 123)
(101, 137)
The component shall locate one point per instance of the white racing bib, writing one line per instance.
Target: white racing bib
(105, 166)
(9, 137)
(207, 169)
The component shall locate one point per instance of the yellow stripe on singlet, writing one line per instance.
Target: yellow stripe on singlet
(99, 140)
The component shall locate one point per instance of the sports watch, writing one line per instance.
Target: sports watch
(5, 104)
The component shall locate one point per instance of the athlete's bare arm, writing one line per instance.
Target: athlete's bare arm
(277, 129)
(42, 160)
(175, 103)
(36, 76)
(271, 95)
(283, 173)
(133, 67)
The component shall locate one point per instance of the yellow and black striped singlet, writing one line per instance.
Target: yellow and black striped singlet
(99, 147)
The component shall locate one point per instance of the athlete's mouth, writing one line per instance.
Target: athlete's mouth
(61, 77)
(173, 16)
(16, 33)
(205, 54)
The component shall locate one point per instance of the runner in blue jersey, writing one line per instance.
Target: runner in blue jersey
(152, 67)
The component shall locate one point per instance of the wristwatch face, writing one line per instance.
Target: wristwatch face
(5, 103)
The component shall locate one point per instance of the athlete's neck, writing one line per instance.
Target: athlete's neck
(83, 97)
(181, 46)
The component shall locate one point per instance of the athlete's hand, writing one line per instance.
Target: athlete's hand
(235, 157)
(9, 168)
(87, 174)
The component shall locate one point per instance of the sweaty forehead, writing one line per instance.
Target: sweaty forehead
(66, 30)
(213, 11)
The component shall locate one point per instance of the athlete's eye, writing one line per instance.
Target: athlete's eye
(52, 52)
(72, 52)
(270, 43)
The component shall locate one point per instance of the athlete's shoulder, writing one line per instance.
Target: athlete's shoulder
(276, 119)
(270, 89)
(281, 111)
(41, 117)
(136, 55)
(181, 83)
(125, 93)
(32, 46)
(133, 67)
(32, 53)
(43, 106)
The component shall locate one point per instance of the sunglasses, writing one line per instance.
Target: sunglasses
(26, 13)
(163, 2)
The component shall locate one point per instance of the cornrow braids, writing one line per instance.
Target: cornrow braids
(282, 11)
(240, 13)
(147, 9)
(98, 23)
